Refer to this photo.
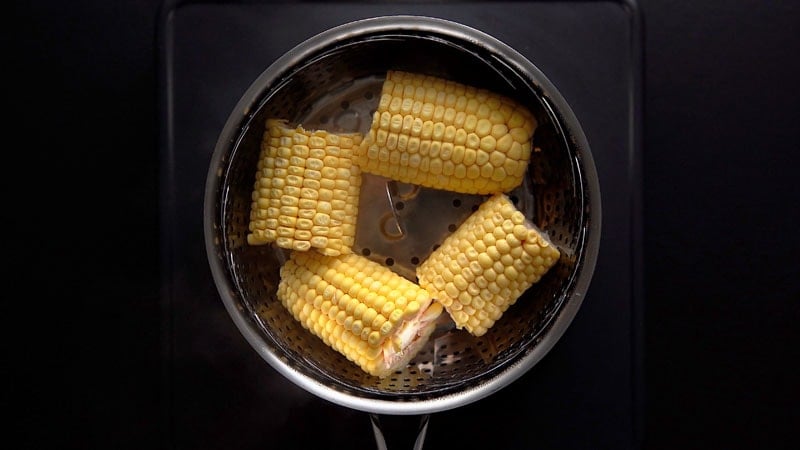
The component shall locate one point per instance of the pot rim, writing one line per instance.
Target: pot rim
(237, 124)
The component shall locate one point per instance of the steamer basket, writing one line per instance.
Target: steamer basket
(332, 81)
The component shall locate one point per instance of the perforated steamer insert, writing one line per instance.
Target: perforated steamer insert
(332, 82)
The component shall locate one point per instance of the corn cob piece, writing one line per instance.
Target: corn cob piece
(306, 190)
(488, 262)
(445, 135)
(374, 317)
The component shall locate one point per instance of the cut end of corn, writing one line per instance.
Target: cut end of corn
(306, 190)
(374, 317)
(483, 268)
(445, 135)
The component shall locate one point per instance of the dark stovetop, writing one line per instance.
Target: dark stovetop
(586, 393)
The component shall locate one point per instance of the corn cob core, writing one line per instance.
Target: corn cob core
(371, 315)
(306, 190)
(445, 135)
(481, 269)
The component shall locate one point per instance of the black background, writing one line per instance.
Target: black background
(722, 284)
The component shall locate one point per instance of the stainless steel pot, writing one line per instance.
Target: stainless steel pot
(332, 81)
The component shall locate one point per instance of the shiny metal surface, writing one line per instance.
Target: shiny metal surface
(330, 81)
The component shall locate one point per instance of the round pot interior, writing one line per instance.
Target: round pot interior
(333, 82)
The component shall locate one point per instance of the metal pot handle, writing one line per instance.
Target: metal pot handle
(391, 432)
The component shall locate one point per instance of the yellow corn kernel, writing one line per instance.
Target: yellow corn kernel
(346, 301)
(304, 178)
(470, 140)
(500, 252)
